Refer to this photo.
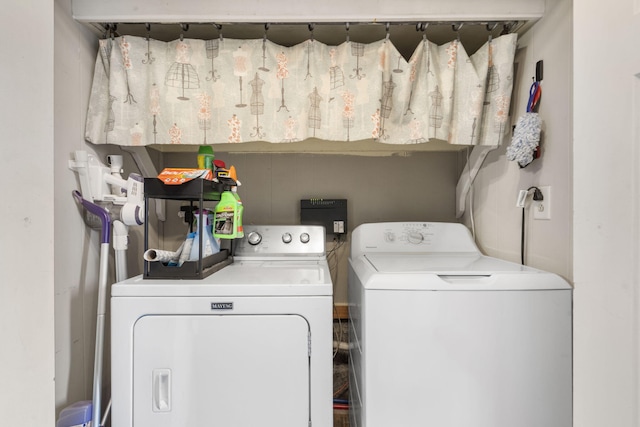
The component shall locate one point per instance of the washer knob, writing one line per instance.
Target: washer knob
(286, 238)
(254, 238)
(304, 237)
(415, 237)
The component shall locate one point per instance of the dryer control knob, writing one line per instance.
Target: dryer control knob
(304, 237)
(254, 238)
(415, 237)
(286, 238)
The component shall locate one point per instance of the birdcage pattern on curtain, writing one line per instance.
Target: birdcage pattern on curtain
(182, 74)
(311, 90)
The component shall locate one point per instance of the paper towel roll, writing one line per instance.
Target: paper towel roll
(160, 255)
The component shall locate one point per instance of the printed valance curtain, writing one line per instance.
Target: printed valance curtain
(232, 91)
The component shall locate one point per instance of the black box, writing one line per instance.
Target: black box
(331, 213)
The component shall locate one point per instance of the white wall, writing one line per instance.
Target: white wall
(26, 215)
(498, 221)
(76, 247)
(606, 100)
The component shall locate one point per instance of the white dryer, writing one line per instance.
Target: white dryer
(248, 345)
(444, 336)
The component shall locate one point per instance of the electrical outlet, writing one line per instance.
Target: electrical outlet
(542, 208)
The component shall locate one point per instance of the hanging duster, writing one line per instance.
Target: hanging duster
(526, 135)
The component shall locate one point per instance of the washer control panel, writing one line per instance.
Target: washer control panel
(282, 240)
(411, 237)
(413, 233)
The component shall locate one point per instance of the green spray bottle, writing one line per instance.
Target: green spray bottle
(225, 223)
(240, 211)
(234, 176)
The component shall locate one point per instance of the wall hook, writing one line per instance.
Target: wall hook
(185, 27)
(456, 28)
(219, 28)
(491, 26)
(266, 28)
(506, 29)
(311, 26)
(346, 26)
(112, 30)
(387, 26)
(422, 26)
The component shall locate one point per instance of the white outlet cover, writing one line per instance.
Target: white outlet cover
(542, 208)
(522, 199)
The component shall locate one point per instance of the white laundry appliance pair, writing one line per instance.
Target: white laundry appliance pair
(248, 345)
(444, 336)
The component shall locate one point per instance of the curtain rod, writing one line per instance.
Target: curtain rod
(457, 25)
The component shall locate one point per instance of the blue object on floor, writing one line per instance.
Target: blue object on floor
(78, 414)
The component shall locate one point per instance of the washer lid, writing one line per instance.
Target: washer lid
(449, 272)
(465, 263)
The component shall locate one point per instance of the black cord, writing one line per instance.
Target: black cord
(522, 240)
(537, 196)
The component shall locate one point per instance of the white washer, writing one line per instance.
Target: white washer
(444, 336)
(249, 345)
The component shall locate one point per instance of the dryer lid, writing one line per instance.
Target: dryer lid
(274, 273)
(242, 278)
